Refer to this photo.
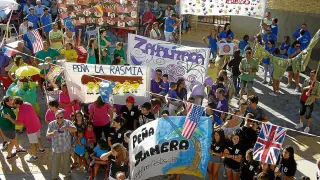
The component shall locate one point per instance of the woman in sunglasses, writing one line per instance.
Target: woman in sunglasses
(293, 51)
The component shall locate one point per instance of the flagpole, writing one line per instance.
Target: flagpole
(180, 29)
(7, 29)
(99, 43)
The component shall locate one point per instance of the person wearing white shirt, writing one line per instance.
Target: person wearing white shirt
(155, 32)
(26, 8)
(23, 28)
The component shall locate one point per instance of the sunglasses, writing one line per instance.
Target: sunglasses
(297, 46)
(60, 117)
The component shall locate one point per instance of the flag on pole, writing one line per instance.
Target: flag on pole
(192, 120)
(53, 73)
(4, 12)
(99, 9)
(269, 142)
(36, 40)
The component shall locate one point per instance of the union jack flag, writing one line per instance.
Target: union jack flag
(269, 142)
(36, 40)
(192, 120)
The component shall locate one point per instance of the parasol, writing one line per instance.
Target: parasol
(6, 3)
(27, 71)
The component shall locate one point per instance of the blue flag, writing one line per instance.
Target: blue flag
(68, 24)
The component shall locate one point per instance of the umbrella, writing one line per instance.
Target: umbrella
(27, 71)
(6, 3)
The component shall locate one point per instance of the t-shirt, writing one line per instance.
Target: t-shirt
(169, 21)
(144, 119)
(129, 116)
(296, 34)
(172, 95)
(217, 147)
(233, 150)
(223, 35)
(155, 86)
(50, 53)
(6, 124)
(33, 19)
(115, 168)
(4, 62)
(99, 151)
(245, 65)
(304, 41)
(258, 113)
(165, 87)
(286, 47)
(65, 98)
(287, 167)
(248, 169)
(28, 117)
(242, 45)
(222, 106)
(89, 136)
(212, 43)
(24, 29)
(292, 50)
(46, 20)
(304, 96)
(120, 52)
(100, 114)
(267, 37)
(70, 55)
(182, 94)
(80, 150)
(50, 116)
(249, 138)
(80, 127)
(274, 29)
(55, 35)
(117, 136)
(271, 51)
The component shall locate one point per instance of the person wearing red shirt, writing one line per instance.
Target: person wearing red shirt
(307, 99)
(147, 19)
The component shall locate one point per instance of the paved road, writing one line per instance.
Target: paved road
(282, 110)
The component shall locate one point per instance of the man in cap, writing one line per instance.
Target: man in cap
(32, 17)
(39, 8)
(129, 113)
(46, 20)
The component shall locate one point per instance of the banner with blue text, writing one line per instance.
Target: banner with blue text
(83, 81)
(175, 60)
(158, 148)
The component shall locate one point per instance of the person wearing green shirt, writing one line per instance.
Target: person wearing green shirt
(105, 41)
(8, 127)
(44, 71)
(119, 50)
(105, 58)
(91, 53)
(47, 52)
(248, 68)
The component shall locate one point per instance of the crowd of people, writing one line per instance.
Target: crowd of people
(96, 135)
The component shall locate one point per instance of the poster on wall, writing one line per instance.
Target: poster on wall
(83, 81)
(117, 13)
(250, 8)
(177, 61)
(158, 148)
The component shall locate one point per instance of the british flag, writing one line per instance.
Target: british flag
(192, 120)
(269, 142)
(36, 40)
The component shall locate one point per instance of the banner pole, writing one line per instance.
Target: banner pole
(180, 29)
(99, 44)
(8, 23)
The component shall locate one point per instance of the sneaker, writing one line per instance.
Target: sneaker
(41, 151)
(12, 156)
(297, 89)
(272, 94)
(4, 145)
(21, 151)
(307, 129)
(33, 159)
(300, 125)
(264, 82)
(270, 83)
(288, 85)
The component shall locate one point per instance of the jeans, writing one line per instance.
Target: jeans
(267, 68)
(236, 82)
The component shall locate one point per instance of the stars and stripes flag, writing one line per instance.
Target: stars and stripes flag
(36, 40)
(192, 120)
(269, 142)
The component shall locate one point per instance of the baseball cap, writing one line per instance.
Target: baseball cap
(130, 99)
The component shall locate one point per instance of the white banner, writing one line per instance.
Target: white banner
(175, 60)
(250, 8)
(83, 81)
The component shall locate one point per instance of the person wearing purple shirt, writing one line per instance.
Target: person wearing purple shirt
(218, 84)
(156, 82)
(222, 103)
(181, 90)
(4, 62)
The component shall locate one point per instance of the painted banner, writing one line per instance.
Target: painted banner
(177, 61)
(105, 12)
(250, 8)
(53, 73)
(158, 148)
(225, 48)
(83, 81)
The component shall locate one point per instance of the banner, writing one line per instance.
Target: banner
(53, 73)
(225, 48)
(83, 81)
(175, 60)
(250, 8)
(158, 148)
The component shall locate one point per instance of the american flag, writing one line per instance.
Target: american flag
(269, 142)
(192, 120)
(36, 40)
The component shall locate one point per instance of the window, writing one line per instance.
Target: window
(214, 19)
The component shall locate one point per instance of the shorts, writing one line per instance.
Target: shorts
(306, 109)
(33, 138)
(289, 69)
(10, 134)
(79, 155)
(235, 171)
(215, 159)
(246, 84)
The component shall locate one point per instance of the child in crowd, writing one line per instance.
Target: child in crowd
(101, 148)
(105, 58)
(89, 134)
(243, 43)
(119, 50)
(79, 142)
(70, 54)
(79, 121)
(164, 85)
(145, 115)
(173, 99)
(117, 60)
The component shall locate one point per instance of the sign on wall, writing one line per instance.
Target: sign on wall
(157, 148)
(175, 60)
(83, 81)
(250, 8)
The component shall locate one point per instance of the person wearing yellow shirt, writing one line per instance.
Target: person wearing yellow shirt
(18, 62)
(212, 72)
(70, 54)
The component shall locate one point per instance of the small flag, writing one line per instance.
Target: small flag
(53, 73)
(8, 51)
(269, 142)
(36, 40)
(99, 9)
(192, 120)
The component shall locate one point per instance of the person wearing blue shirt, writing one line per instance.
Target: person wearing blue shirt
(170, 23)
(212, 37)
(269, 36)
(39, 9)
(46, 21)
(27, 40)
(26, 8)
(79, 142)
(304, 40)
(293, 51)
(285, 46)
(32, 17)
(210, 113)
(164, 86)
(243, 44)
(296, 34)
(274, 26)
(266, 62)
(4, 62)
(226, 34)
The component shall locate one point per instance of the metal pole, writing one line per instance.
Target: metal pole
(180, 29)
(99, 43)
